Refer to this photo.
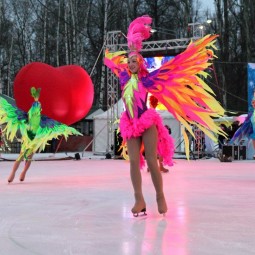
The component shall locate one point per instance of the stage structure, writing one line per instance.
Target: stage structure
(114, 43)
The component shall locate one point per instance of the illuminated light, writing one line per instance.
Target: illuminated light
(154, 63)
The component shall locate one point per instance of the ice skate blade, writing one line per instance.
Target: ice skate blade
(142, 211)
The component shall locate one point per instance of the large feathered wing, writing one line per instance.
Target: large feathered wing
(178, 84)
(13, 119)
(48, 130)
(116, 61)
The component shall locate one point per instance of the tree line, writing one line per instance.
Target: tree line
(64, 32)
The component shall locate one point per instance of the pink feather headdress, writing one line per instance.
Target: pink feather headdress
(138, 30)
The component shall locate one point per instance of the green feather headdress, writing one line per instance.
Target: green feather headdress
(35, 93)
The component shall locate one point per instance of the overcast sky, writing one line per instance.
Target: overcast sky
(208, 4)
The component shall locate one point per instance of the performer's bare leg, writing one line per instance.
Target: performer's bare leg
(14, 169)
(26, 167)
(161, 167)
(150, 138)
(134, 145)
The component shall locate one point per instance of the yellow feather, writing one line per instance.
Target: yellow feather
(186, 141)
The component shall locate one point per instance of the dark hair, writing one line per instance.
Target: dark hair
(223, 126)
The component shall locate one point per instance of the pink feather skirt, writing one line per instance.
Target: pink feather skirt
(132, 128)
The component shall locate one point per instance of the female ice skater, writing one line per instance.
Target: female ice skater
(36, 130)
(176, 85)
(247, 129)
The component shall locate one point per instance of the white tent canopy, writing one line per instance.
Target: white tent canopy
(100, 130)
(93, 114)
(100, 127)
(174, 124)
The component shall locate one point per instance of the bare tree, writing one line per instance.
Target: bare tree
(62, 32)
(236, 49)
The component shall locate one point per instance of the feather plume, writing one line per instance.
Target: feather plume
(139, 30)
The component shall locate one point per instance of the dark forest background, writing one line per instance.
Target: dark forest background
(63, 32)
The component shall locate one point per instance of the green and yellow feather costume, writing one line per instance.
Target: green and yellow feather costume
(36, 129)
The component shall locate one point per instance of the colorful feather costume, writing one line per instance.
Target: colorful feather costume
(36, 129)
(178, 85)
(3, 143)
(247, 129)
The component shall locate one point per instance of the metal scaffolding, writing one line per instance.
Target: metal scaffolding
(114, 42)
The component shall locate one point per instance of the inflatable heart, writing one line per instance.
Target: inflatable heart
(66, 94)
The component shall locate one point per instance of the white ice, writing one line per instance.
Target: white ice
(80, 207)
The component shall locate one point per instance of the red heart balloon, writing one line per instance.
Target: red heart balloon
(66, 94)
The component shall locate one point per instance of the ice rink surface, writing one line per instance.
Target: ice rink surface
(82, 207)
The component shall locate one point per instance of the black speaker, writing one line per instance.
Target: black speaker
(242, 152)
(108, 156)
(235, 153)
(227, 154)
(227, 150)
(77, 156)
(224, 158)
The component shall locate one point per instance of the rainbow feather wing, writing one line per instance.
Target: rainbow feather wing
(116, 61)
(178, 85)
(13, 118)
